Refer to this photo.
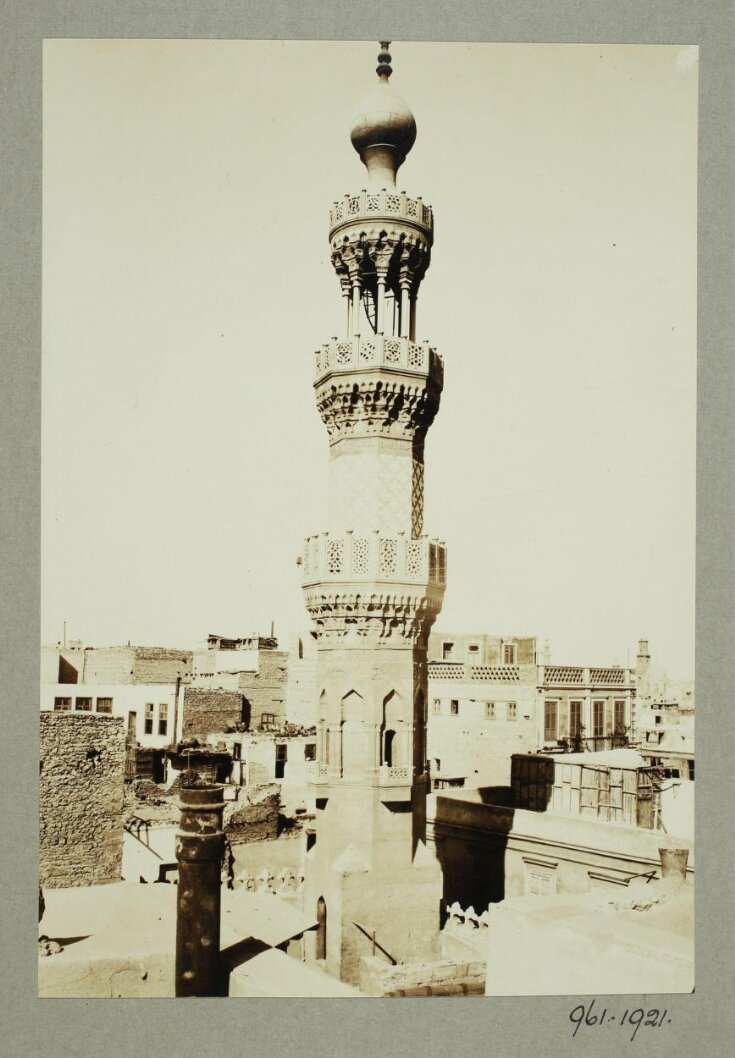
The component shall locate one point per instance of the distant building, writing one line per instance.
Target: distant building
(236, 683)
(482, 707)
(492, 696)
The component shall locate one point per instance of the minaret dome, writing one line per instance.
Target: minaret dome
(384, 129)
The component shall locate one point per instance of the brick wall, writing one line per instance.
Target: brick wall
(135, 664)
(210, 710)
(265, 689)
(81, 799)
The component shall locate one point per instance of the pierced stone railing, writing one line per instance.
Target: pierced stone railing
(394, 776)
(446, 670)
(369, 556)
(456, 670)
(563, 674)
(383, 203)
(377, 350)
(287, 882)
(499, 673)
(613, 676)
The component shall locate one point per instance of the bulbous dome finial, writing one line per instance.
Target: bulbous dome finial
(384, 129)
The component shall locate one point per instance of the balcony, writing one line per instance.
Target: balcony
(377, 350)
(375, 205)
(372, 556)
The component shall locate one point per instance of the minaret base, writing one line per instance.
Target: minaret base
(350, 901)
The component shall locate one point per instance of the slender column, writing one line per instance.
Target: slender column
(349, 313)
(380, 305)
(199, 851)
(356, 292)
(404, 312)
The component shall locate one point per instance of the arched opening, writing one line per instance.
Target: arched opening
(388, 740)
(321, 928)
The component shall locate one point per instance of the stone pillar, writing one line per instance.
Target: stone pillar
(380, 305)
(199, 851)
(356, 298)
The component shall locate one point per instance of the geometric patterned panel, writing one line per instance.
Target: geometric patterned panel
(374, 490)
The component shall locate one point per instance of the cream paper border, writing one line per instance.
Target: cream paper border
(702, 1023)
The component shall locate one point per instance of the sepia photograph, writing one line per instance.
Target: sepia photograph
(368, 453)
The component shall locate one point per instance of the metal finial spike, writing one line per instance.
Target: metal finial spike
(384, 69)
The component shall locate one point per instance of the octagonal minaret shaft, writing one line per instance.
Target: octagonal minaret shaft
(373, 583)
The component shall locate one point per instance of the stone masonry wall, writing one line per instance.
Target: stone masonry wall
(81, 799)
(254, 822)
(265, 689)
(210, 710)
(135, 664)
(445, 977)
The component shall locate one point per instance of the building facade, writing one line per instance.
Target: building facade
(373, 582)
(493, 696)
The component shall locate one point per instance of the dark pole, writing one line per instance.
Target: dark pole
(199, 849)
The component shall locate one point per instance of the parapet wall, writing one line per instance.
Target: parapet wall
(81, 799)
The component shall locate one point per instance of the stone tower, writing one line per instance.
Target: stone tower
(373, 583)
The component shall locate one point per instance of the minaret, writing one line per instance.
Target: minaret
(373, 583)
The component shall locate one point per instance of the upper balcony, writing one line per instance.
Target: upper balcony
(379, 205)
(581, 676)
(374, 556)
(376, 350)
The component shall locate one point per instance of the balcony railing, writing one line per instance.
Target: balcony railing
(456, 670)
(373, 556)
(394, 776)
(592, 743)
(381, 203)
(378, 350)
(580, 676)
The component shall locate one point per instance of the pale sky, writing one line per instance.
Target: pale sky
(187, 282)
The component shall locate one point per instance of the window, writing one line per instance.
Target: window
(509, 653)
(436, 705)
(550, 721)
(454, 707)
(104, 705)
(237, 750)
(619, 717)
(62, 704)
(609, 720)
(473, 654)
(540, 878)
(512, 712)
(83, 705)
(281, 758)
(657, 718)
(490, 710)
(598, 719)
(575, 719)
(447, 651)
(163, 719)
(310, 751)
(148, 719)
(691, 770)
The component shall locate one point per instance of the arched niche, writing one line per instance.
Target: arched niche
(353, 733)
(392, 730)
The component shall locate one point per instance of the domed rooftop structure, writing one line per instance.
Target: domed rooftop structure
(384, 129)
